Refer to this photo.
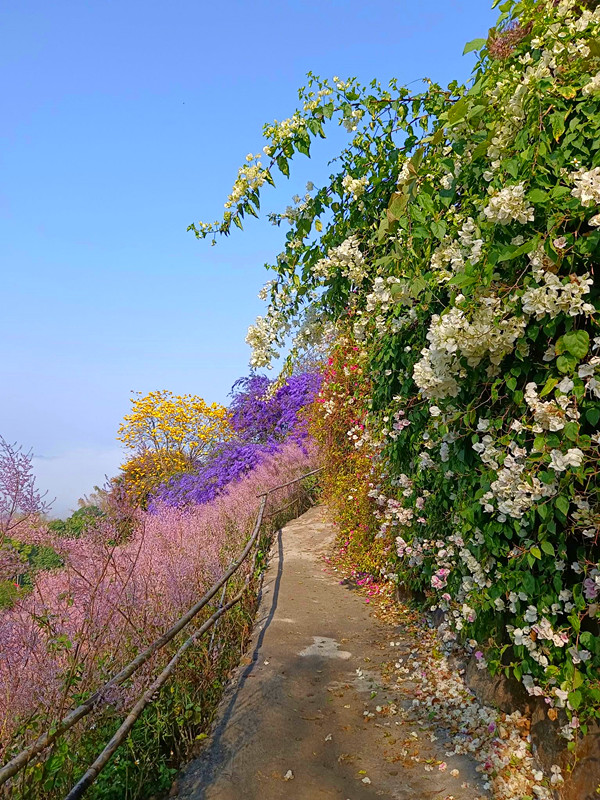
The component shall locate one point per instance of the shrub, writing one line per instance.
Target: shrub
(263, 412)
(19, 498)
(78, 523)
(263, 415)
(141, 475)
(234, 460)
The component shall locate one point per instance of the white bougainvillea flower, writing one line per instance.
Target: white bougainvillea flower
(509, 205)
(587, 186)
(559, 462)
(594, 221)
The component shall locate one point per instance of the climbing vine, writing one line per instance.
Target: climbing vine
(456, 246)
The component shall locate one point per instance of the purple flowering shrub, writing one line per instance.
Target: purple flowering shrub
(257, 417)
(261, 422)
(233, 461)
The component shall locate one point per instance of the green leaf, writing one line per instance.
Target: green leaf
(575, 698)
(383, 229)
(576, 625)
(462, 280)
(283, 165)
(562, 504)
(303, 147)
(458, 111)
(476, 111)
(417, 286)
(547, 547)
(559, 191)
(480, 150)
(416, 159)
(511, 165)
(426, 202)
(566, 364)
(474, 44)
(558, 123)
(397, 206)
(568, 92)
(548, 386)
(538, 196)
(539, 444)
(510, 251)
(476, 88)
(528, 582)
(571, 431)
(592, 415)
(577, 343)
(536, 553)
(517, 672)
(438, 229)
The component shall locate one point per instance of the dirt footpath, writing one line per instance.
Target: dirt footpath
(311, 712)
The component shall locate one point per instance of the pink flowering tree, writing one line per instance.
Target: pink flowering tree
(19, 497)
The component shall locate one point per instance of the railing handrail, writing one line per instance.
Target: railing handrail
(94, 770)
(18, 762)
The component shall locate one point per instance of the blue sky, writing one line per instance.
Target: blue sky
(124, 121)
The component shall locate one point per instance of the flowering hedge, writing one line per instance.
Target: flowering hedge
(232, 462)
(262, 415)
(457, 247)
(338, 421)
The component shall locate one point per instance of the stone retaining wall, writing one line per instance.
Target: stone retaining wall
(508, 695)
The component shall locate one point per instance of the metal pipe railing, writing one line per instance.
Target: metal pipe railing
(97, 699)
(121, 734)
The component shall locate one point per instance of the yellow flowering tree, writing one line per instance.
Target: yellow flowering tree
(162, 422)
(142, 474)
(169, 434)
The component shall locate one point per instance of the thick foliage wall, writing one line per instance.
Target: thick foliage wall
(458, 247)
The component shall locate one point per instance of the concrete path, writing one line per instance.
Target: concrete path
(309, 715)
